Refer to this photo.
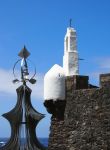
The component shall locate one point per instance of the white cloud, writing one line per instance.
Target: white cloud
(95, 75)
(104, 62)
(7, 87)
(38, 88)
(102, 66)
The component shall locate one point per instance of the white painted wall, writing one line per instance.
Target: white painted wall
(54, 83)
(70, 58)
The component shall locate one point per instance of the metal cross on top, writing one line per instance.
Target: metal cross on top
(70, 21)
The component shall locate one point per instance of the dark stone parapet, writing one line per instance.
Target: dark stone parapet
(76, 82)
(105, 80)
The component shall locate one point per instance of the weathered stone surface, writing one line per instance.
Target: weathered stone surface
(56, 108)
(85, 124)
(87, 113)
(57, 135)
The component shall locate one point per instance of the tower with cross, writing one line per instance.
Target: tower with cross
(70, 58)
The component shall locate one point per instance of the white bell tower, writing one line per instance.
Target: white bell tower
(70, 58)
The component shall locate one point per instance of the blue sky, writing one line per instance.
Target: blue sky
(41, 26)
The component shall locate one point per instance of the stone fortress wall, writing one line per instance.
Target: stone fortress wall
(82, 120)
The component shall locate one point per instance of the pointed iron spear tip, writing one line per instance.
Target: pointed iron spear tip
(24, 53)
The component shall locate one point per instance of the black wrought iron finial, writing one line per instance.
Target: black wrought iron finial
(24, 54)
(23, 118)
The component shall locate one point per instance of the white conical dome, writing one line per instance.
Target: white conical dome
(54, 83)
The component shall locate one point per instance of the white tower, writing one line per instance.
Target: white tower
(54, 84)
(70, 58)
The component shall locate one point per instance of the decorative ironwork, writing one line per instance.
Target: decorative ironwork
(23, 118)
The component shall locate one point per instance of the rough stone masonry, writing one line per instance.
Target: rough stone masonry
(82, 120)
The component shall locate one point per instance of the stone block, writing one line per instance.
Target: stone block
(105, 80)
(76, 82)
